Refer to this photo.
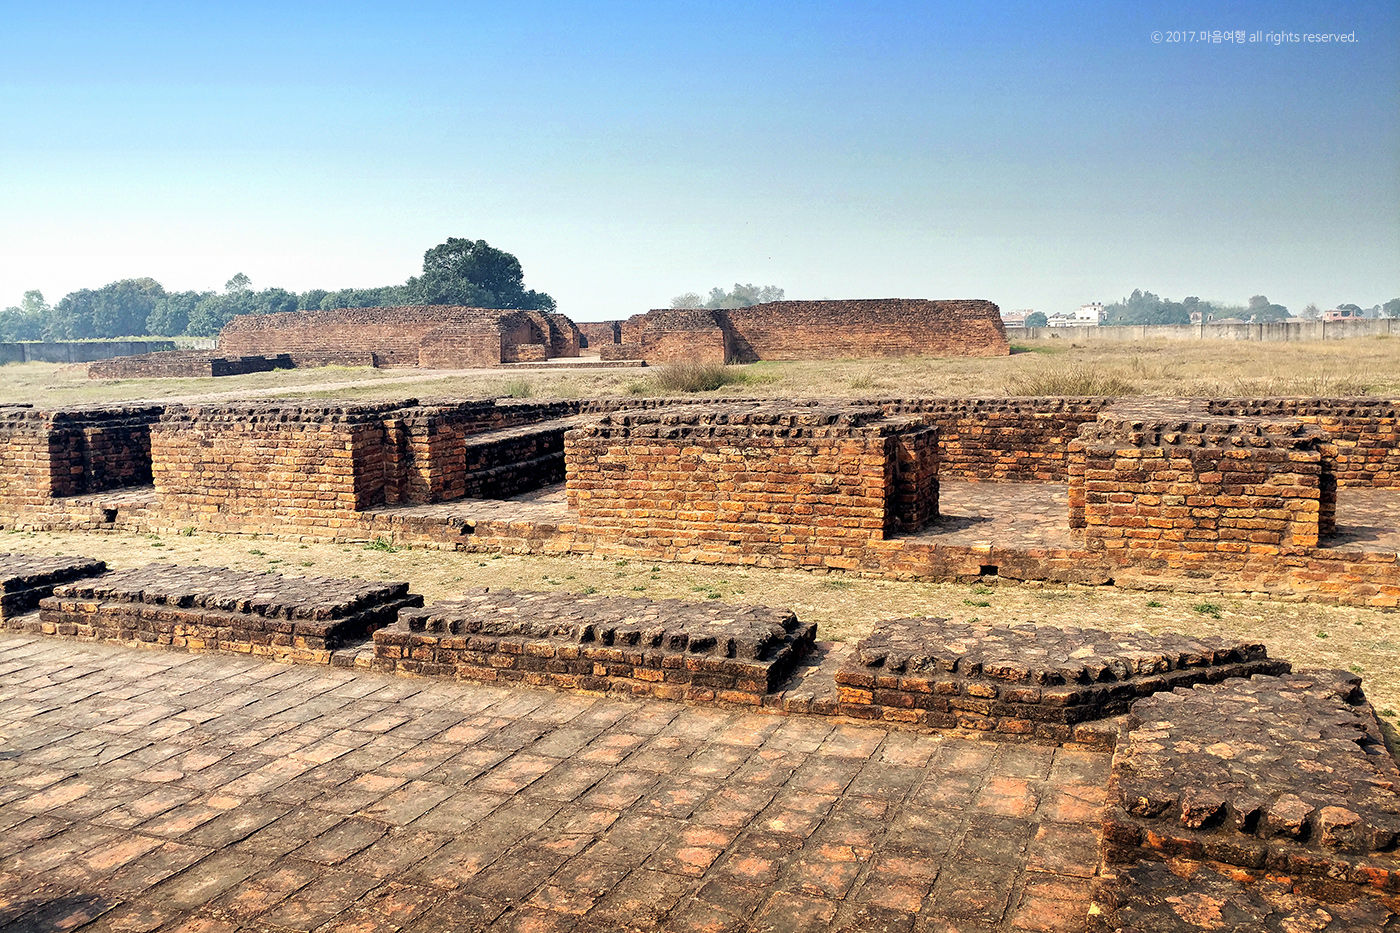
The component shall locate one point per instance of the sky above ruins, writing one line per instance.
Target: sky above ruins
(1040, 155)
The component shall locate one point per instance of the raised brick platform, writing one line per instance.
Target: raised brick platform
(1025, 679)
(214, 608)
(26, 578)
(663, 648)
(1286, 774)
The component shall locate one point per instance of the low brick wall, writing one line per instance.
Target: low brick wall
(1282, 774)
(1152, 480)
(661, 648)
(1025, 679)
(737, 483)
(226, 468)
(217, 609)
(46, 455)
(670, 336)
(596, 334)
(26, 578)
(185, 364)
(1363, 433)
(1004, 439)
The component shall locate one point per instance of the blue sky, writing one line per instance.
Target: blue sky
(1039, 155)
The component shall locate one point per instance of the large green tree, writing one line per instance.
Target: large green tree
(26, 320)
(474, 273)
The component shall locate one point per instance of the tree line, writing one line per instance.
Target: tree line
(456, 272)
(1143, 307)
(740, 296)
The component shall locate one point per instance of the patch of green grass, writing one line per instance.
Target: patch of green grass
(518, 388)
(256, 553)
(381, 544)
(1037, 348)
(837, 584)
(187, 531)
(978, 603)
(589, 590)
(1321, 634)
(1208, 609)
(1153, 604)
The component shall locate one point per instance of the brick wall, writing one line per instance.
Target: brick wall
(670, 335)
(1005, 439)
(50, 454)
(816, 330)
(1364, 433)
(187, 364)
(236, 467)
(807, 330)
(750, 484)
(598, 333)
(1144, 481)
(396, 336)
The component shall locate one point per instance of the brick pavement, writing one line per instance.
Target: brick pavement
(143, 790)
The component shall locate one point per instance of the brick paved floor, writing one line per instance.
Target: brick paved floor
(1367, 520)
(148, 790)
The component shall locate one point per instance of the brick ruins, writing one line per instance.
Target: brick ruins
(1225, 496)
(450, 337)
(212, 608)
(25, 579)
(1239, 792)
(666, 649)
(807, 330)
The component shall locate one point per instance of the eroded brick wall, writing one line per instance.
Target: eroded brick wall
(1364, 433)
(750, 484)
(1147, 483)
(672, 335)
(396, 336)
(236, 467)
(877, 327)
(1004, 439)
(52, 454)
(599, 333)
(177, 364)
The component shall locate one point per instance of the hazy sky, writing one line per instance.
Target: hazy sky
(1038, 155)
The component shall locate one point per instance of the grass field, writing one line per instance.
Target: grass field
(845, 607)
(1369, 366)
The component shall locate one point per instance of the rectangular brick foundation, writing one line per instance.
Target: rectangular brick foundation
(662, 648)
(1024, 679)
(217, 609)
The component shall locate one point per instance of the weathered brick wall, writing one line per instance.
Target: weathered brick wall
(672, 335)
(1003, 439)
(815, 330)
(878, 327)
(1144, 483)
(598, 333)
(1364, 432)
(50, 454)
(565, 338)
(396, 336)
(233, 467)
(749, 484)
(188, 364)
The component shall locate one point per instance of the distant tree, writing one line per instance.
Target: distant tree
(740, 296)
(171, 315)
(26, 320)
(1310, 312)
(1146, 308)
(311, 300)
(1261, 310)
(239, 283)
(474, 273)
(1355, 310)
(1036, 319)
(1391, 308)
(386, 296)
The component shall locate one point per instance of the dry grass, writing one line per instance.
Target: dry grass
(1203, 369)
(845, 607)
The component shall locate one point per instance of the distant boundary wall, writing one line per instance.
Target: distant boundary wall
(1276, 332)
(77, 351)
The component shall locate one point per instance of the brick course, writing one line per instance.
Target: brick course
(664, 648)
